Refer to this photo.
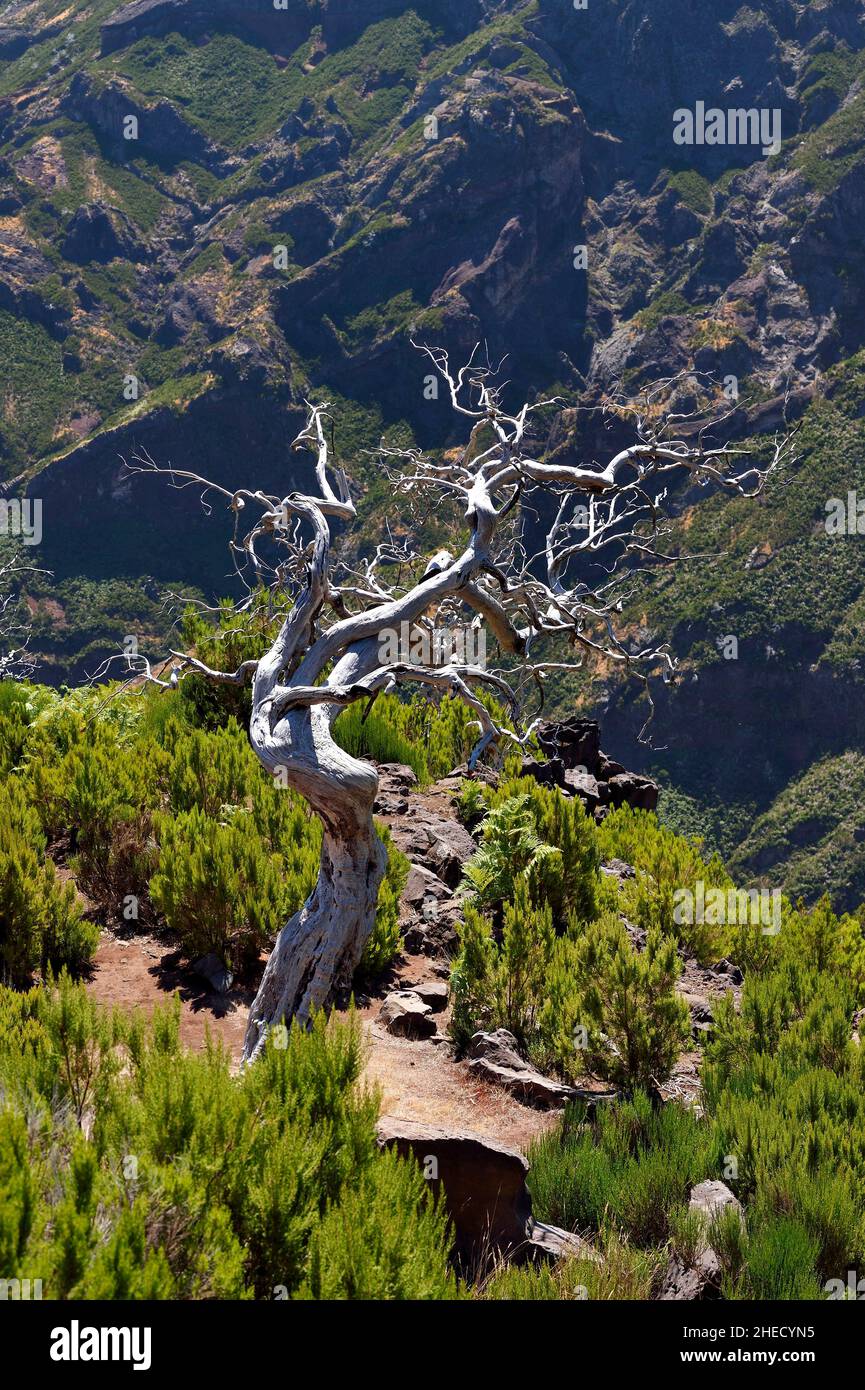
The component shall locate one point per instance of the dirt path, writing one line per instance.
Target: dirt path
(140, 971)
(419, 1081)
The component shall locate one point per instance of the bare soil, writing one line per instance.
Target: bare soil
(418, 1081)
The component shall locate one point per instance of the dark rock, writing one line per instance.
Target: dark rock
(423, 886)
(215, 972)
(629, 789)
(484, 1184)
(97, 233)
(700, 1280)
(584, 786)
(549, 774)
(688, 1283)
(485, 1193)
(436, 843)
(576, 741)
(732, 972)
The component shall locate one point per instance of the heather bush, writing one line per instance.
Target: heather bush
(221, 890)
(630, 1169)
(41, 921)
(665, 863)
(132, 1169)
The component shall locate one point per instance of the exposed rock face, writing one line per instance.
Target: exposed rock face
(576, 764)
(496, 1059)
(98, 234)
(485, 1193)
(437, 844)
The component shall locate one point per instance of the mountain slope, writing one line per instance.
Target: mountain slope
(312, 187)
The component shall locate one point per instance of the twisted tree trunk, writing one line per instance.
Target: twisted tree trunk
(319, 949)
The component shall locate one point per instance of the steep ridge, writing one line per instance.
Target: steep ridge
(311, 187)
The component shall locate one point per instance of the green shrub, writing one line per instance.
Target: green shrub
(621, 1274)
(41, 921)
(665, 864)
(632, 1168)
(552, 841)
(501, 982)
(210, 770)
(99, 792)
(511, 850)
(374, 736)
(635, 1021)
(221, 891)
(131, 1169)
(385, 1240)
(780, 1262)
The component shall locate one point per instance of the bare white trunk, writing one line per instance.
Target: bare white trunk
(319, 949)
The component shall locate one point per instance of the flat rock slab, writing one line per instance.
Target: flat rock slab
(495, 1059)
(434, 993)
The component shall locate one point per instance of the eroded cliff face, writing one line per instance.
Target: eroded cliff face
(210, 212)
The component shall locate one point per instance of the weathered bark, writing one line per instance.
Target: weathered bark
(319, 949)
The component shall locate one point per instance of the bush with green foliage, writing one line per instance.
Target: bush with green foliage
(629, 1170)
(550, 964)
(534, 832)
(219, 888)
(635, 1023)
(41, 920)
(665, 863)
(132, 1169)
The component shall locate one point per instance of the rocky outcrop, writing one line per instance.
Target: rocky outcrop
(577, 766)
(495, 1058)
(98, 233)
(438, 847)
(406, 1015)
(485, 1194)
(700, 1277)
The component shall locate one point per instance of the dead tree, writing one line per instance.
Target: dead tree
(16, 661)
(326, 654)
